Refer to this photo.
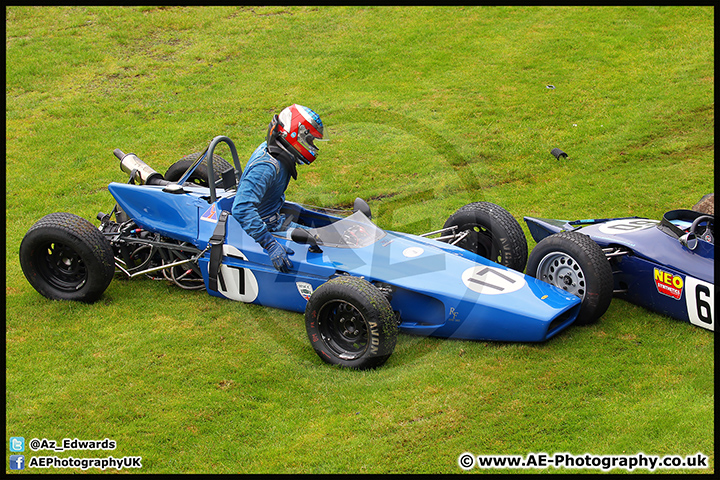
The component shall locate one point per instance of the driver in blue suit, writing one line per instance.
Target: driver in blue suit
(261, 192)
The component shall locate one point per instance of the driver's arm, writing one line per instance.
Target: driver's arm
(246, 209)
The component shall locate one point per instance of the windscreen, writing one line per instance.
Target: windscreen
(355, 231)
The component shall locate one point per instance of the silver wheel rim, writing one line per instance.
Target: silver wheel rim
(564, 272)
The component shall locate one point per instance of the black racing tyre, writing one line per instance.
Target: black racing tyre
(65, 257)
(492, 232)
(350, 323)
(574, 262)
(200, 175)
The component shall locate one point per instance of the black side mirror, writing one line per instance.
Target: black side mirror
(302, 236)
(361, 205)
(689, 240)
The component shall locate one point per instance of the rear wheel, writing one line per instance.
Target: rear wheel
(65, 257)
(201, 175)
(491, 232)
(350, 323)
(574, 262)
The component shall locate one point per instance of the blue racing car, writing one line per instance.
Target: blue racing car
(667, 265)
(357, 284)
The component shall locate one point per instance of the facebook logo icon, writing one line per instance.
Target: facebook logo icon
(17, 462)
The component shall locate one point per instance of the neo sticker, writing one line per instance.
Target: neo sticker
(668, 284)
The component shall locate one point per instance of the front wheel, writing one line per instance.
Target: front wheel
(65, 257)
(350, 323)
(574, 262)
(491, 232)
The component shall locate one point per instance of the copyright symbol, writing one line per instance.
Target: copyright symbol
(34, 444)
(466, 461)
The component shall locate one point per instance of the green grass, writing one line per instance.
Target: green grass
(429, 109)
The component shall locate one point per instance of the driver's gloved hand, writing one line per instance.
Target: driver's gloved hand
(277, 253)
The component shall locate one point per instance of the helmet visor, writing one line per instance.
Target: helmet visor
(309, 141)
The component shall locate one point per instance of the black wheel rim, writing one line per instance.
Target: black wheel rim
(480, 241)
(61, 267)
(343, 329)
(198, 180)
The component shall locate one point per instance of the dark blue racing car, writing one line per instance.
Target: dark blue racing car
(667, 265)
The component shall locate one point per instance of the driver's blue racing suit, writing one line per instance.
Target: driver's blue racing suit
(257, 204)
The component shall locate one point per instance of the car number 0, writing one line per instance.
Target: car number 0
(625, 225)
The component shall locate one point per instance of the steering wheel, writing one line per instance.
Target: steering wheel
(354, 235)
(707, 235)
(690, 238)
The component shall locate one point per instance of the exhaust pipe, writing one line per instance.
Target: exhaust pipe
(133, 166)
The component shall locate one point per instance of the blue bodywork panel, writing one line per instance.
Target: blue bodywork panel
(436, 289)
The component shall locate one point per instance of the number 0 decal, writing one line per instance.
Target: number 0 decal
(491, 280)
(700, 300)
(626, 225)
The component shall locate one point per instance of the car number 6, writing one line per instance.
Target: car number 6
(700, 301)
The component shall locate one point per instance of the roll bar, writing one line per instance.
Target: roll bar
(211, 169)
(139, 170)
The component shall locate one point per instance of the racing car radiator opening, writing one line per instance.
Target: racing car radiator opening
(558, 322)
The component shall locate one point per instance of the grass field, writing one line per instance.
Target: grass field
(428, 109)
